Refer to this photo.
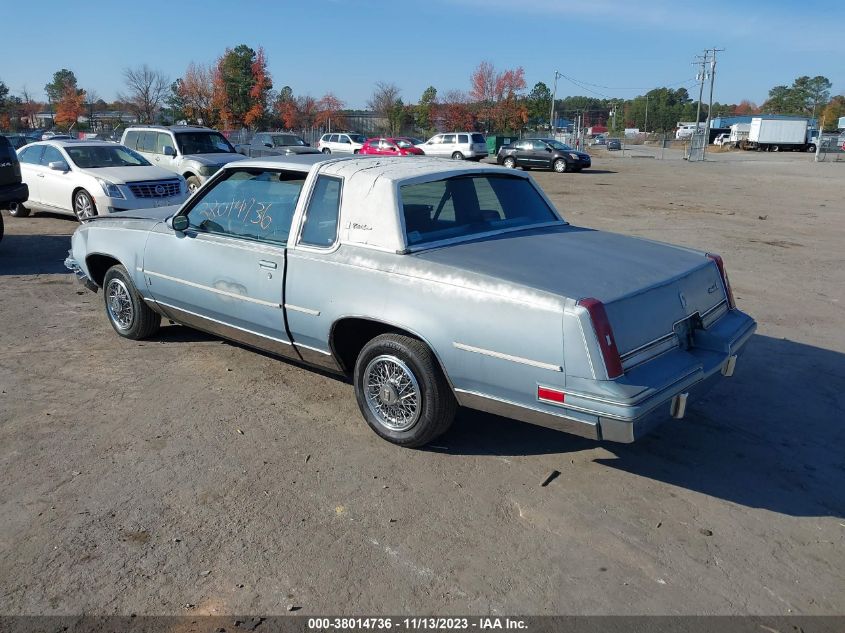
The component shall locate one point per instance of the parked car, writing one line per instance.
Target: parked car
(542, 153)
(722, 139)
(48, 136)
(17, 140)
(390, 147)
(457, 145)
(341, 143)
(193, 152)
(89, 178)
(614, 144)
(598, 140)
(361, 266)
(275, 144)
(13, 191)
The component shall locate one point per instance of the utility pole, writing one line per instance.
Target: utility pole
(552, 108)
(645, 125)
(702, 73)
(714, 50)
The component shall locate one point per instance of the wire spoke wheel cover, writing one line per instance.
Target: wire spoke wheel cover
(392, 393)
(119, 304)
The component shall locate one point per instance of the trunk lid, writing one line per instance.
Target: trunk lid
(646, 287)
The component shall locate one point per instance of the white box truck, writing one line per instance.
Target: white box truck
(739, 133)
(776, 135)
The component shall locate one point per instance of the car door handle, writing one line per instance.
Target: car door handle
(263, 263)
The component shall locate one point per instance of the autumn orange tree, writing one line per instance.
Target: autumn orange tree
(71, 106)
(196, 90)
(241, 86)
(497, 96)
(329, 112)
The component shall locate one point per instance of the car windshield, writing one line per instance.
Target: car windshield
(203, 143)
(465, 206)
(284, 140)
(358, 138)
(558, 145)
(98, 156)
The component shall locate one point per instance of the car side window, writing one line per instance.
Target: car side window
(147, 142)
(320, 225)
(254, 204)
(538, 146)
(333, 138)
(31, 155)
(436, 140)
(345, 139)
(162, 140)
(463, 138)
(131, 140)
(51, 155)
(448, 138)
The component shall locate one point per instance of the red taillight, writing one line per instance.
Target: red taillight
(550, 395)
(724, 274)
(604, 334)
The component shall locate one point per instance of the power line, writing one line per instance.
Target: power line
(583, 85)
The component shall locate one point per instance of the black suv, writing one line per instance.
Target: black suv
(12, 190)
(542, 153)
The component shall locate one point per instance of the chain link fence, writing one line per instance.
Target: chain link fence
(831, 148)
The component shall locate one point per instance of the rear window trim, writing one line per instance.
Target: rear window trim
(426, 246)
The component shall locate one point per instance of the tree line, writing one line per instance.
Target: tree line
(237, 91)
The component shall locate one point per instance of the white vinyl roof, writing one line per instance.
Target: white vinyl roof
(369, 208)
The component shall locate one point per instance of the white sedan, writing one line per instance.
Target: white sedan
(88, 178)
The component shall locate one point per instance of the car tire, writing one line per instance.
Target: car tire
(357, 151)
(560, 166)
(457, 156)
(84, 207)
(509, 162)
(127, 312)
(811, 147)
(17, 210)
(393, 368)
(193, 184)
(326, 150)
(775, 148)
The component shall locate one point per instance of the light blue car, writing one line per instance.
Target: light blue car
(432, 284)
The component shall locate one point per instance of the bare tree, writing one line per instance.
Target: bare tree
(384, 103)
(146, 89)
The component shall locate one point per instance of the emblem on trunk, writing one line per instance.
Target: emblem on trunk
(683, 300)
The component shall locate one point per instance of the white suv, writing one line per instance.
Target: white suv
(194, 152)
(341, 143)
(457, 145)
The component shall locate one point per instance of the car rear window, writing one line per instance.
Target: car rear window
(470, 205)
(7, 152)
(478, 138)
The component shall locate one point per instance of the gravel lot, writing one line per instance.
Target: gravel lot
(188, 475)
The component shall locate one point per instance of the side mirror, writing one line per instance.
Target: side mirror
(59, 165)
(178, 223)
(169, 151)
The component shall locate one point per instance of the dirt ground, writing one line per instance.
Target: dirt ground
(188, 475)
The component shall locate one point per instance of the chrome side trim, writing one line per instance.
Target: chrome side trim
(270, 344)
(508, 357)
(295, 308)
(538, 417)
(225, 293)
(318, 357)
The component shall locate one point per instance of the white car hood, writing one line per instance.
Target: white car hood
(122, 175)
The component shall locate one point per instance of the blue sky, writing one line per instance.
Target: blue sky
(621, 47)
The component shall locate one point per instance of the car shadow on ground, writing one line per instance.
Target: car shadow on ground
(771, 437)
(590, 171)
(33, 254)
